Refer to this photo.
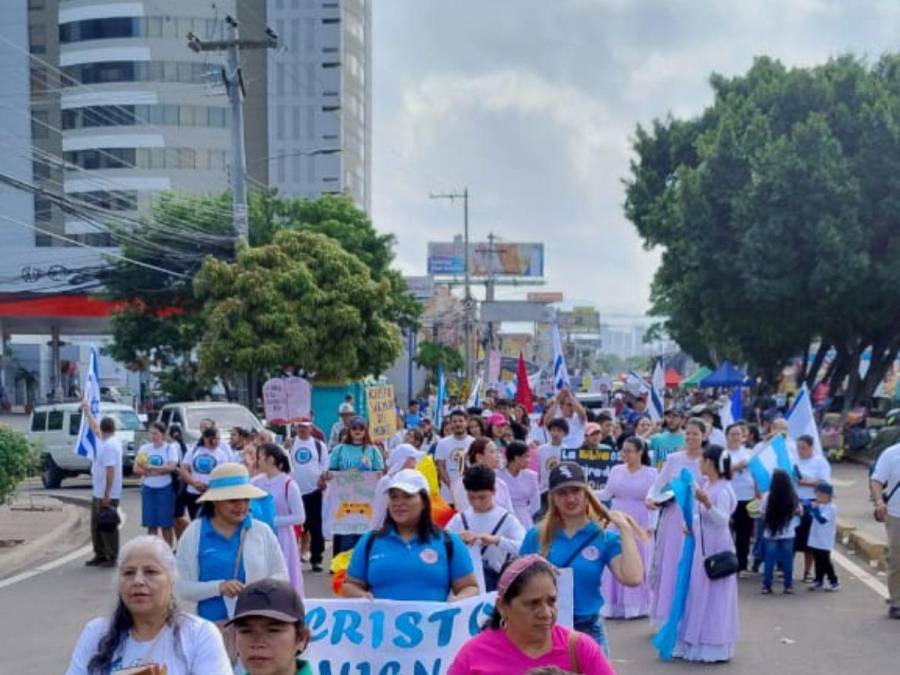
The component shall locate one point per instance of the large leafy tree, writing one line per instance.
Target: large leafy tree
(300, 301)
(432, 355)
(161, 321)
(778, 214)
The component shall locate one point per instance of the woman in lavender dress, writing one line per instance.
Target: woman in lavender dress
(708, 630)
(670, 532)
(524, 489)
(627, 487)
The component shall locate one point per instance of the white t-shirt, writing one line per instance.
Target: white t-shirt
(815, 468)
(789, 531)
(717, 437)
(307, 464)
(887, 470)
(109, 453)
(539, 435)
(575, 439)
(201, 652)
(821, 535)
(742, 481)
(548, 457)
(453, 451)
(202, 461)
(157, 458)
(511, 534)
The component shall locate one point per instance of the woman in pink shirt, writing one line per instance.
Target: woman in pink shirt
(522, 633)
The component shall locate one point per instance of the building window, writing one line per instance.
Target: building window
(156, 115)
(141, 158)
(110, 200)
(135, 27)
(39, 124)
(37, 38)
(43, 209)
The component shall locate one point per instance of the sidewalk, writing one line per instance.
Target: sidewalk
(857, 529)
(33, 528)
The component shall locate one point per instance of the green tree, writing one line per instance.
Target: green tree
(776, 210)
(430, 355)
(160, 321)
(300, 301)
(17, 460)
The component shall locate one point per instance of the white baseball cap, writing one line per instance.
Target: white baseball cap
(412, 482)
(400, 454)
(345, 409)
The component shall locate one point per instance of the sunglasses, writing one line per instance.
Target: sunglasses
(357, 428)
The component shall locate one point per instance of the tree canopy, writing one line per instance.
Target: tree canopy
(300, 301)
(778, 214)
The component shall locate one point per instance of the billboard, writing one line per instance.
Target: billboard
(499, 258)
(421, 288)
(545, 297)
(580, 320)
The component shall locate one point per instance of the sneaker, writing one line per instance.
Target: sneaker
(833, 588)
(894, 612)
(316, 567)
(808, 579)
(815, 586)
(766, 590)
(93, 562)
(788, 591)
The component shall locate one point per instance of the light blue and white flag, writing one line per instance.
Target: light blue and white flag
(87, 443)
(560, 373)
(475, 395)
(801, 420)
(774, 456)
(440, 398)
(635, 384)
(658, 386)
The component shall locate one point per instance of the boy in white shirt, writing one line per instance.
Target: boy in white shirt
(550, 455)
(821, 536)
(492, 533)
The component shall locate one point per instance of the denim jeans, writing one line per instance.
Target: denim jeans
(779, 551)
(593, 626)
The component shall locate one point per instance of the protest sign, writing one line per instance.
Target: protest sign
(596, 462)
(382, 413)
(350, 496)
(275, 401)
(298, 397)
(381, 637)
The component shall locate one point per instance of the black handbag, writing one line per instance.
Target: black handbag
(108, 518)
(718, 565)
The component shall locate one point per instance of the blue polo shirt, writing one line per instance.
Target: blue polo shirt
(216, 561)
(587, 568)
(664, 444)
(409, 570)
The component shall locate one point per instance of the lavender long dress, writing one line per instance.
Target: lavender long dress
(628, 491)
(669, 539)
(709, 628)
(289, 511)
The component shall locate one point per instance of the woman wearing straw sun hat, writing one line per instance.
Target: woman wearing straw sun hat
(237, 549)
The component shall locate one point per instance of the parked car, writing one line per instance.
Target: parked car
(592, 401)
(55, 428)
(226, 416)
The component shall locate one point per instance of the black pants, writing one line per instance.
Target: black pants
(190, 503)
(823, 566)
(312, 504)
(742, 529)
(343, 542)
(106, 542)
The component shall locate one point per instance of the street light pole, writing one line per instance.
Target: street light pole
(468, 304)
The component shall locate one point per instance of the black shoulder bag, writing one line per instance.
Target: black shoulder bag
(718, 565)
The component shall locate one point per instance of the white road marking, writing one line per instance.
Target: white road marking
(53, 564)
(861, 574)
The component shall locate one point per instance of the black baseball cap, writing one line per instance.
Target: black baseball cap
(566, 474)
(270, 598)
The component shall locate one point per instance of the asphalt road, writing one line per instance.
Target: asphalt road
(845, 632)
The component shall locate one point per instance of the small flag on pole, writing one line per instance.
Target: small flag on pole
(658, 385)
(86, 445)
(475, 395)
(560, 373)
(439, 399)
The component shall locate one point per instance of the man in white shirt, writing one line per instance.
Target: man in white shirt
(309, 467)
(811, 469)
(450, 453)
(106, 488)
(744, 490)
(885, 485)
(492, 533)
(567, 407)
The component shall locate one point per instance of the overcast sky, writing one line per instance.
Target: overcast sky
(531, 103)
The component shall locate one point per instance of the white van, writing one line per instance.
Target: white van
(188, 416)
(55, 428)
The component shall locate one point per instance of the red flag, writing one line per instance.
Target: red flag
(523, 390)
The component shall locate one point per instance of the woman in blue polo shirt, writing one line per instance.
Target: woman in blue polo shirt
(574, 534)
(410, 558)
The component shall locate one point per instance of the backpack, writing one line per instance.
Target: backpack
(448, 548)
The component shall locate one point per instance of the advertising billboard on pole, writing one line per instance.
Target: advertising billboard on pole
(500, 259)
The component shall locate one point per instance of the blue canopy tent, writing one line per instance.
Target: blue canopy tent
(726, 375)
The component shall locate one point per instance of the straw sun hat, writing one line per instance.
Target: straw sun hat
(230, 481)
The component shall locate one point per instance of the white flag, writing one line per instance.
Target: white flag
(658, 385)
(801, 420)
(560, 373)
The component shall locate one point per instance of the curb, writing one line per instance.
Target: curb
(873, 550)
(19, 557)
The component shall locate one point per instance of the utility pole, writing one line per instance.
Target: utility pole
(490, 286)
(468, 304)
(234, 84)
